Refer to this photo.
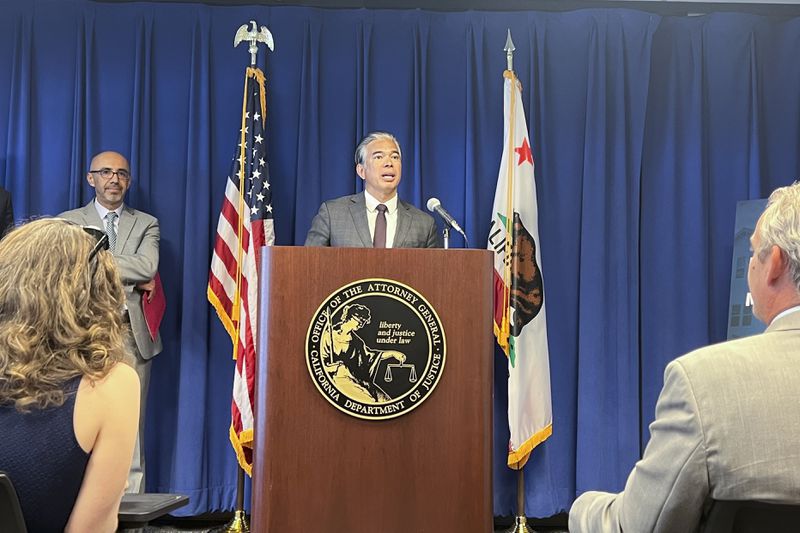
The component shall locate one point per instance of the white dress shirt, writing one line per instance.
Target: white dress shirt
(391, 216)
(102, 211)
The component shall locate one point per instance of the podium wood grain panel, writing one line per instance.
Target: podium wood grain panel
(319, 469)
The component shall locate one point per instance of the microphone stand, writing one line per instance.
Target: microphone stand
(446, 236)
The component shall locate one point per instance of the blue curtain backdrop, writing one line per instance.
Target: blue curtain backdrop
(646, 131)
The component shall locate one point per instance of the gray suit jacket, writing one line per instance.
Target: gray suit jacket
(136, 256)
(343, 222)
(727, 427)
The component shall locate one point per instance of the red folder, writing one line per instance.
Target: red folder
(154, 307)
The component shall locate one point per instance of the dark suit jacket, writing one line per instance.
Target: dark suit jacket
(6, 212)
(343, 222)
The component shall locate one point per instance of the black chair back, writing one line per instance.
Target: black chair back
(728, 516)
(11, 520)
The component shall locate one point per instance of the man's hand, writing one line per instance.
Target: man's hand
(147, 287)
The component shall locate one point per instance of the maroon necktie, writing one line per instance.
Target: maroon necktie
(379, 240)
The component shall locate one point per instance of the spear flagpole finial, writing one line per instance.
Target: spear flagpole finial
(509, 49)
(254, 36)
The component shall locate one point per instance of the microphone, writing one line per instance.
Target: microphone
(435, 206)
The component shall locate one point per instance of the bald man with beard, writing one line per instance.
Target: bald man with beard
(134, 236)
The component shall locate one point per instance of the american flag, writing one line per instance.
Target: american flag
(245, 225)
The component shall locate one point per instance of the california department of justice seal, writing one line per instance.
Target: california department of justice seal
(375, 349)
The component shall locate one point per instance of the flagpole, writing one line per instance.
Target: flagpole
(520, 521)
(239, 522)
(254, 36)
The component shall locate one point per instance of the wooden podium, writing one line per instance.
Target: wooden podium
(317, 468)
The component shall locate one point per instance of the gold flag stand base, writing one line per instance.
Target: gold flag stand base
(520, 522)
(238, 524)
(520, 526)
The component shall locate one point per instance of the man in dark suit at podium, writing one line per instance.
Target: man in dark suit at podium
(375, 218)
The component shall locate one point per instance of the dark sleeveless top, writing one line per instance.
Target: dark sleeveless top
(39, 452)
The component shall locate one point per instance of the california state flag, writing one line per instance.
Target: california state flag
(520, 323)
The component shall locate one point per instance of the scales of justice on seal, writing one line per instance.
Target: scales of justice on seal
(412, 378)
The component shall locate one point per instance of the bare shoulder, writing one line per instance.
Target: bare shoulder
(122, 371)
(121, 381)
(111, 400)
(121, 376)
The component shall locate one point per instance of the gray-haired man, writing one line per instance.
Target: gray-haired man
(375, 218)
(728, 418)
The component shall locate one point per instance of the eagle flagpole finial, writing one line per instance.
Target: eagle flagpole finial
(254, 36)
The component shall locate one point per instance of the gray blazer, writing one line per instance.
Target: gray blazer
(343, 222)
(136, 256)
(727, 427)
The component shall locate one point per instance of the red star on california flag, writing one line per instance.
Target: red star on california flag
(524, 152)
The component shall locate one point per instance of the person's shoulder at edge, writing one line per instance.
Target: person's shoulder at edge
(744, 345)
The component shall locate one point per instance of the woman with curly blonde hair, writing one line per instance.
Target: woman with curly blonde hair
(68, 406)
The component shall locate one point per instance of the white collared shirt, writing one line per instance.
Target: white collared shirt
(102, 211)
(786, 312)
(391, 216)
